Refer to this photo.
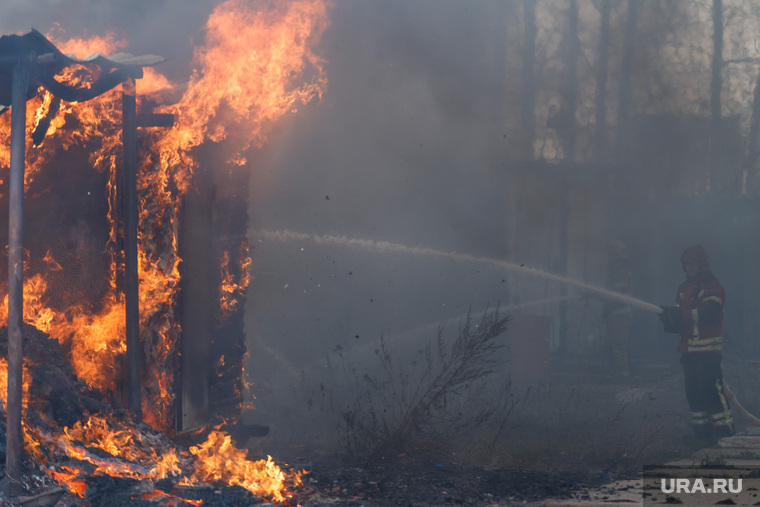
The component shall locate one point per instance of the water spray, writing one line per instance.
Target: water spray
(388, 247)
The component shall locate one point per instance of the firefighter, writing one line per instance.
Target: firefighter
(618, 317)
(698, 319)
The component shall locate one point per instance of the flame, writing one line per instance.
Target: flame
(25, 382)
(233, 285)
(126, 443)
(245, 386)
(95, 341)
(145, 456)
(82, 47)
(52, 265)
(257, 65)
(68, 478)
(218, 460)
(245, 80)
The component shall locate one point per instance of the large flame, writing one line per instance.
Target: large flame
(257, 65)
(246, 76)
(150, 456)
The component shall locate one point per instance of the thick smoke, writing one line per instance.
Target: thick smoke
(418, 140)
(404, 147)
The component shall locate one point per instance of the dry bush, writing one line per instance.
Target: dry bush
(436, 397)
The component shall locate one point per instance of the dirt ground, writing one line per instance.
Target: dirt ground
(416, 481)
(582, 438)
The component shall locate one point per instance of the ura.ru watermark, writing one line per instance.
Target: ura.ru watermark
(699, 485)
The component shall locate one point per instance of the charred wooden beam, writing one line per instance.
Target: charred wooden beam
(197, 296)
(44, 125)
(15, 435)
(132, 297)
(131, 121)
(99, 87)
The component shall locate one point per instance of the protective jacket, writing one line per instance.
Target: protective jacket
(701, 301)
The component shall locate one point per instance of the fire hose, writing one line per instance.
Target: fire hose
(738, 406)
(644, 305)
(661, 311)
(670, 317)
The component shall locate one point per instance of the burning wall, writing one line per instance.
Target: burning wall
(257, 64)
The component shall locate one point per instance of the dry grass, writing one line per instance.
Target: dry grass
(440, 395)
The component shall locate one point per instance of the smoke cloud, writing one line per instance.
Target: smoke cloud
(419, 140)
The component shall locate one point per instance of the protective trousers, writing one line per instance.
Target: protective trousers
(711, 415)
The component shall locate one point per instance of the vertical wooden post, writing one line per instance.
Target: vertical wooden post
(131, 217)
(15, 435)
(198, 289)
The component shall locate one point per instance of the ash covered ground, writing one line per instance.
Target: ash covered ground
(559, 441)
(581, 429)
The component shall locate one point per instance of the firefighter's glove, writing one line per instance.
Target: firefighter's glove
(671, 319)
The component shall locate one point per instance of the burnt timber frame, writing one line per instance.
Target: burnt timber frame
(34, 61)
(130, 122)
(15, 434)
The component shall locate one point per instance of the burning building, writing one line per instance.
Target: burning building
(172, 235)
